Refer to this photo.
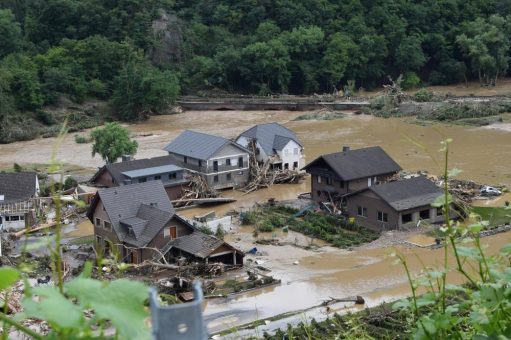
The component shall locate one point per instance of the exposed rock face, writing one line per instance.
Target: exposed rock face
(168, 37)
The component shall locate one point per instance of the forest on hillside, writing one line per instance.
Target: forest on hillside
(140, 55)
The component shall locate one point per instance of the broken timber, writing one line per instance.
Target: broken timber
(210, 200)
(43, 226)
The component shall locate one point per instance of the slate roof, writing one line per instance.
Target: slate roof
(116, 169)
(198, 244)
(152, 171)
(271, 136)
(198, 145)
(408, 193)
(360, 163)
(17, 186)
(145, 207)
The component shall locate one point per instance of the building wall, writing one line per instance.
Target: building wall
(374, 204)
(101, 232)
(261, 156)
(105, 180)
(336, 188)
(290, 154)
(174, 192)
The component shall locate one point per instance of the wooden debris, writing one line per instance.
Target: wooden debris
(263, 176)
(358, 300)
(198, 188)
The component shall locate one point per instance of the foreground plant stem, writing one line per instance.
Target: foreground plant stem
(19, 327)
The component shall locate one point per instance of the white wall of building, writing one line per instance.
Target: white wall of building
(291, 154)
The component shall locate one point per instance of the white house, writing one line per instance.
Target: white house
(275, 143)
(17, 190)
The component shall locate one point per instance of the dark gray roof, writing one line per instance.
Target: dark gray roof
(271, 136)
(17, 186)
(117, 169)
(143, 206)
(408, 193)
(197, 244)
(359, 163)
(152, 171)
(198, 145)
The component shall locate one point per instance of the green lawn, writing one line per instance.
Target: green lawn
(495, 215)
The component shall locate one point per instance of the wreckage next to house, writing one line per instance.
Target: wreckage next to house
(337, 174)
(138, 222)
(222, 162)
(274, 143)
(166, 169)
(17, 193)
(396, 205)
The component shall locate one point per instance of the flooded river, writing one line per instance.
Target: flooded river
(482, 153)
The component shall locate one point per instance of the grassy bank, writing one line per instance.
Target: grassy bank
(333, 229)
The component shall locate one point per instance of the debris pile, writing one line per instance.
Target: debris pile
(263, 176)
(197, 188)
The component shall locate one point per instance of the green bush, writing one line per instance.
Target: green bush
(410, 80)
(80, 139)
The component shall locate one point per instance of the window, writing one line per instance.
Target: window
(173, 175)
(229, 176)
(215, 179)
(295, 151)
(108, 226)
(98, 222)
(439, 211)
(295, 165)
(234, 162)
(319, 179)
(157, 177)
(319, 193)
(406, 218)
(185, 159)
(215, 165)
(383, 216)
(142, 180)
(329, 181)
(15, 218)
(341, 183)
(228, 162)
(200, 163)
(286, 166)
(166, 232)
(240, 162)
(362, 211)
(424, 214)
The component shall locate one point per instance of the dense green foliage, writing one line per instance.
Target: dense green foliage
(111, 142)
(140, 54)
(335, 230)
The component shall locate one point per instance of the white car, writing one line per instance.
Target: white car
(490, 191)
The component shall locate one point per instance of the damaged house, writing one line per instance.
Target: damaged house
(138, 222)
(274, 143)
(223, 163)
(337, 174)
(17, 193)
(396, 205)
(166, 169)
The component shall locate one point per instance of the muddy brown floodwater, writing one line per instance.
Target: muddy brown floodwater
(482, 153)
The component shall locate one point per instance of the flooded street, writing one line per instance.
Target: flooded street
(371, 273)
(482, 153)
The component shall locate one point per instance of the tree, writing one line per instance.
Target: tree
(111, 142)
(10, 33)
(485, 42)
(141, 89)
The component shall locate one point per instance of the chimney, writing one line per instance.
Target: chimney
(345, 148)
(125, 158)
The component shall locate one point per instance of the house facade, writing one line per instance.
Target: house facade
(337, 174)
(130, 219)
(223, 163)
(396, 205)
(165, 169)
(276, 144)
(17, 193)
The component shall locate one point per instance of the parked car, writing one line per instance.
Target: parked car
(490, 191)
